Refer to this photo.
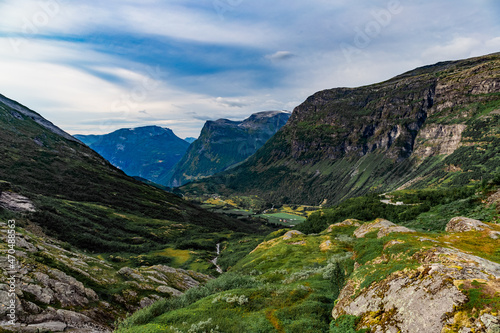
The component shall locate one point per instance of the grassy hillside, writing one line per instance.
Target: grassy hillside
(291, 282)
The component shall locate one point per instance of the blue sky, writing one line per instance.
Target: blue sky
(95, 66)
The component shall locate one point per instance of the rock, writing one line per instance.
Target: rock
(346, 223)
(325, 246)
(130, 273)
(464, 224)
(23, 243)
(292, 233)
(405, 304)
(384, 227)
(425, 299)
(491, 323)
(51, 326)
(169, 290)
(494, 234)
(15, 202)
(145, 302)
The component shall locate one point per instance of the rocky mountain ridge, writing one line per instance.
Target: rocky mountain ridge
(417, 129)
(224, 143)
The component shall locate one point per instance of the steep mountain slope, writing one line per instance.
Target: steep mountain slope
(149, 152)
(224, 143)
(437, 125)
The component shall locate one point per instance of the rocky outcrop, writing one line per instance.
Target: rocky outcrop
(438, 139)
(59, 290)
(428, 298)
(464, 224)
(346, 223)
(384, 228)
(292, 233)
(15, 202)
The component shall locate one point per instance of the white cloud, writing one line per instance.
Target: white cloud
(86, 90)
(280, 55)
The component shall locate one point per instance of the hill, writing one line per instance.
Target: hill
(224, 143)
(434, 126)
(149, 152)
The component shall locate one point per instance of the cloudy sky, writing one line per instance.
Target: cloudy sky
(96, 66)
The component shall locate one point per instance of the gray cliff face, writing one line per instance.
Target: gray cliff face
(224, 143)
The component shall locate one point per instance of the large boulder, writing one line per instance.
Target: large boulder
(464, 224)
(383, 226)
(292, 233)
(428, 298)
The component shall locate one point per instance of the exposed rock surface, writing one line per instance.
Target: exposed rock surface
(346, 223)
(425, 299)
(47, 298)
(292, 233)
(384, 228)
(15, 202)
(463, 224)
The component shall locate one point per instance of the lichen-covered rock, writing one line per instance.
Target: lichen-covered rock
(292, 233)
(404, 303)
(422, 299)
(345, 223)
(383, 226)
(464, 224)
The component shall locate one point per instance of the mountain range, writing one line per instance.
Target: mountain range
(148, 152)
(434, 126)
(224, 143)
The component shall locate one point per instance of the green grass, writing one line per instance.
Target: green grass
(278, 218)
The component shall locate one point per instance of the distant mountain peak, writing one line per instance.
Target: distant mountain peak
(224, 143)
(149, 152)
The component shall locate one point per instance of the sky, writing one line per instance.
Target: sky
(92, 67)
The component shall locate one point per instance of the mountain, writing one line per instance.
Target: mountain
(84, 231)
(224, 143)
(190, 140)
(434, 126)
(148, 152)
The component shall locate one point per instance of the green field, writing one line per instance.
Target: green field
(283, 218)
